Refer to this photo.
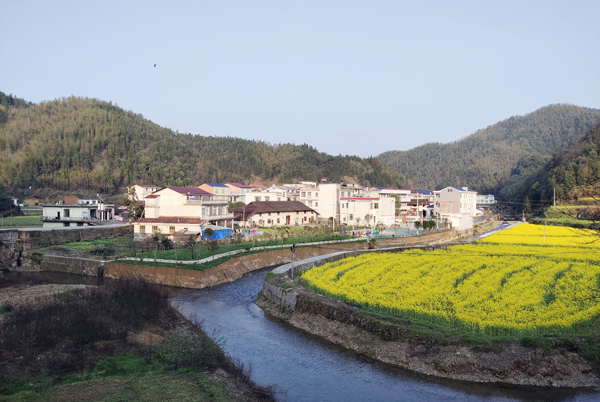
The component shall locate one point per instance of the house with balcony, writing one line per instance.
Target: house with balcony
(237, 191)
(68, 215)
(485, 201)
(275, 213)
(367, 211)
(458, 205)
(182, 203)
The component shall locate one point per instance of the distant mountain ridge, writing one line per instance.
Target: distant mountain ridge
(77, 143)
(484, 160)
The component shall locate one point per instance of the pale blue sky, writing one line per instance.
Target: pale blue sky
(349, 77)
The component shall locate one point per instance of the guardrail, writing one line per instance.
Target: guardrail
(68, 218)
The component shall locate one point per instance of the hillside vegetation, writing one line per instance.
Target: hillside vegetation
(485, 160)
(79, 143)
(573, 172)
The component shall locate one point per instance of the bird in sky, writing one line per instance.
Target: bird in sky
(155, 65)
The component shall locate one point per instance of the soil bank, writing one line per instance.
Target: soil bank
(342, 324)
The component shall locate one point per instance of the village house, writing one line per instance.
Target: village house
(237, 191)
(458, 205)
(142, 191)
(265, 195)
(275, 213)
(485, 201)
(216, 189)
(168, 225)
(370, 211)
(66, 215)
(189, 202)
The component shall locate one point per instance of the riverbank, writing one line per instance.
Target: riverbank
(407, 348)
(120, 341)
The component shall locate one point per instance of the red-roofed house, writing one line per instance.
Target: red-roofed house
(183, 203)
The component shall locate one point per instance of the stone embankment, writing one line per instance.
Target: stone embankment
(403, 347)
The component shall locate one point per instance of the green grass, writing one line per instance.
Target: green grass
(201, 251)
(196, 267)
(121, 378)
(20, 222)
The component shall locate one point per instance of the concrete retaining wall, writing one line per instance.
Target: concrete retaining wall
(428, 238)
(223, 273)
(80, 266)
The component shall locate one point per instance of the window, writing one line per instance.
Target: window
(277, 213)
(171, 229)
(351, 216)
(257, 198)
(310, 203)
(277, 220)
(154, 229)
(267, 198)
(308, 194)
(278, 198)
(67, 213)
(269, 214)
(142, 229)
(376, 205)
(346, 205)
(316, 195)
(303, 194)
(316, 204)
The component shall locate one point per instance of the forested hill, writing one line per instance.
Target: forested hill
(573, 172)
(78, 143)
(485, 159)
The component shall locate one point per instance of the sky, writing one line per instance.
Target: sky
(347, 77)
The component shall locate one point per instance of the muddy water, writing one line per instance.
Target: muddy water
(309, 369)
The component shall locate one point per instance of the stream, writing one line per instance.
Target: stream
(307, 368)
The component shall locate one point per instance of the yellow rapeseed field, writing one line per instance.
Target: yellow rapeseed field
(513, 282)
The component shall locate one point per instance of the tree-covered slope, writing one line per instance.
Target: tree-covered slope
(78, 143)
(484, 160)
(573, 172)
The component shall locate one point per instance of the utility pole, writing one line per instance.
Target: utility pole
(293, 250)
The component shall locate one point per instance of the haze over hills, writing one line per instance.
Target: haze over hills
(485, 159)
(76, 143)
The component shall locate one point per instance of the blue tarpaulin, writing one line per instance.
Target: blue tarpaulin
(221, 233)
